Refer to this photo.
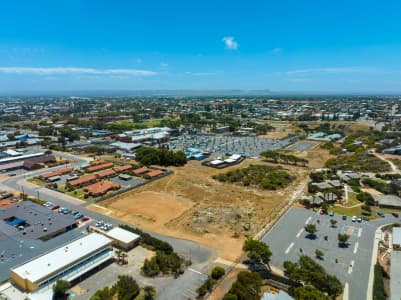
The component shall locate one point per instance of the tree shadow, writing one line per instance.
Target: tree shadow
(311, 236)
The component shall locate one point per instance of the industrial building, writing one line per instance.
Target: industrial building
(122, 238)
(32, 221)
(68, 262)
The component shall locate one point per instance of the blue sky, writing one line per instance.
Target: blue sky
(281, 45)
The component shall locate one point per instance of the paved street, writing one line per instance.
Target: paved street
(287, 239)
(200, 255)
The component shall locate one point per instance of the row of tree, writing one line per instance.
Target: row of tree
(126, 288)
(280, 158)
(162, 157)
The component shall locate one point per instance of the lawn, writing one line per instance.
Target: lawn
(352, 200)
(354, 211)
(36, 181)
(80, 194)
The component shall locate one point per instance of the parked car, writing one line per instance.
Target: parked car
(64, 210)
(365, 218)
(353, 219)
(85, 218)
(395, 214)
(344, 217)
(359, 219)
(55, 207)
(99, 224)
(380, 214)
(331, 214)
(78, 216)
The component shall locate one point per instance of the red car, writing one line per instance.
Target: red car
(395, 215)
(56, 207)
(84, 219)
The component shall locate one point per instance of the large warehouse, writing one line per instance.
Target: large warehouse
(29, 220)
(67, 262)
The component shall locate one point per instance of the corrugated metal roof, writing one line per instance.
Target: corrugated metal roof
(61, 258)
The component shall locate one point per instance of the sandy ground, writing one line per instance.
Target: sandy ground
(275, 135)
(371, 191)
(189, 204)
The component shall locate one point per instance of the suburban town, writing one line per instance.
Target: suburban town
(184, 198)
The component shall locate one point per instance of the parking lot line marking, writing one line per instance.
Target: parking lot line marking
(289, 248)
(308, 220)
(195, 271)
(300, 232)
(351, 265)
(346, 291)
(359, 232)
(356, 247)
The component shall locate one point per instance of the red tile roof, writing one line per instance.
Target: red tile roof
(100, 188)
(154, 173)
(100, 167)
(141, 170)
(106, 173)
(97, 162)
(82, 180)
(122, 168)
(56, 173)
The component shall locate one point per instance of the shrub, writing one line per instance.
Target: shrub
(218, 272)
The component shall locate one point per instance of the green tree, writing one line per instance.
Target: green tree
(247, 286)
(311, 230)
(218, 272)
(258, 252)
(126, 288)
(319, 253)
(343, 238)
(60, 289)
(308, 292)
(149, 292)
(103, 294)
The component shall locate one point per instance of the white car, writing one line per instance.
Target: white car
(353, 219)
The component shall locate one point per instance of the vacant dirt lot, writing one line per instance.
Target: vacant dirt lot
(191, 205)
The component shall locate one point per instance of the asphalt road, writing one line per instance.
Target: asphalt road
(200, 255)
(288, 241)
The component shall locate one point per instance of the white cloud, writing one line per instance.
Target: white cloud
(277, 50)
(199, 73)
(164, 65)
(73, 70)
(230, 42)
(334, 70)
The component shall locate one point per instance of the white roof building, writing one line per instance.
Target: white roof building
(122, 235)
(66, 262)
